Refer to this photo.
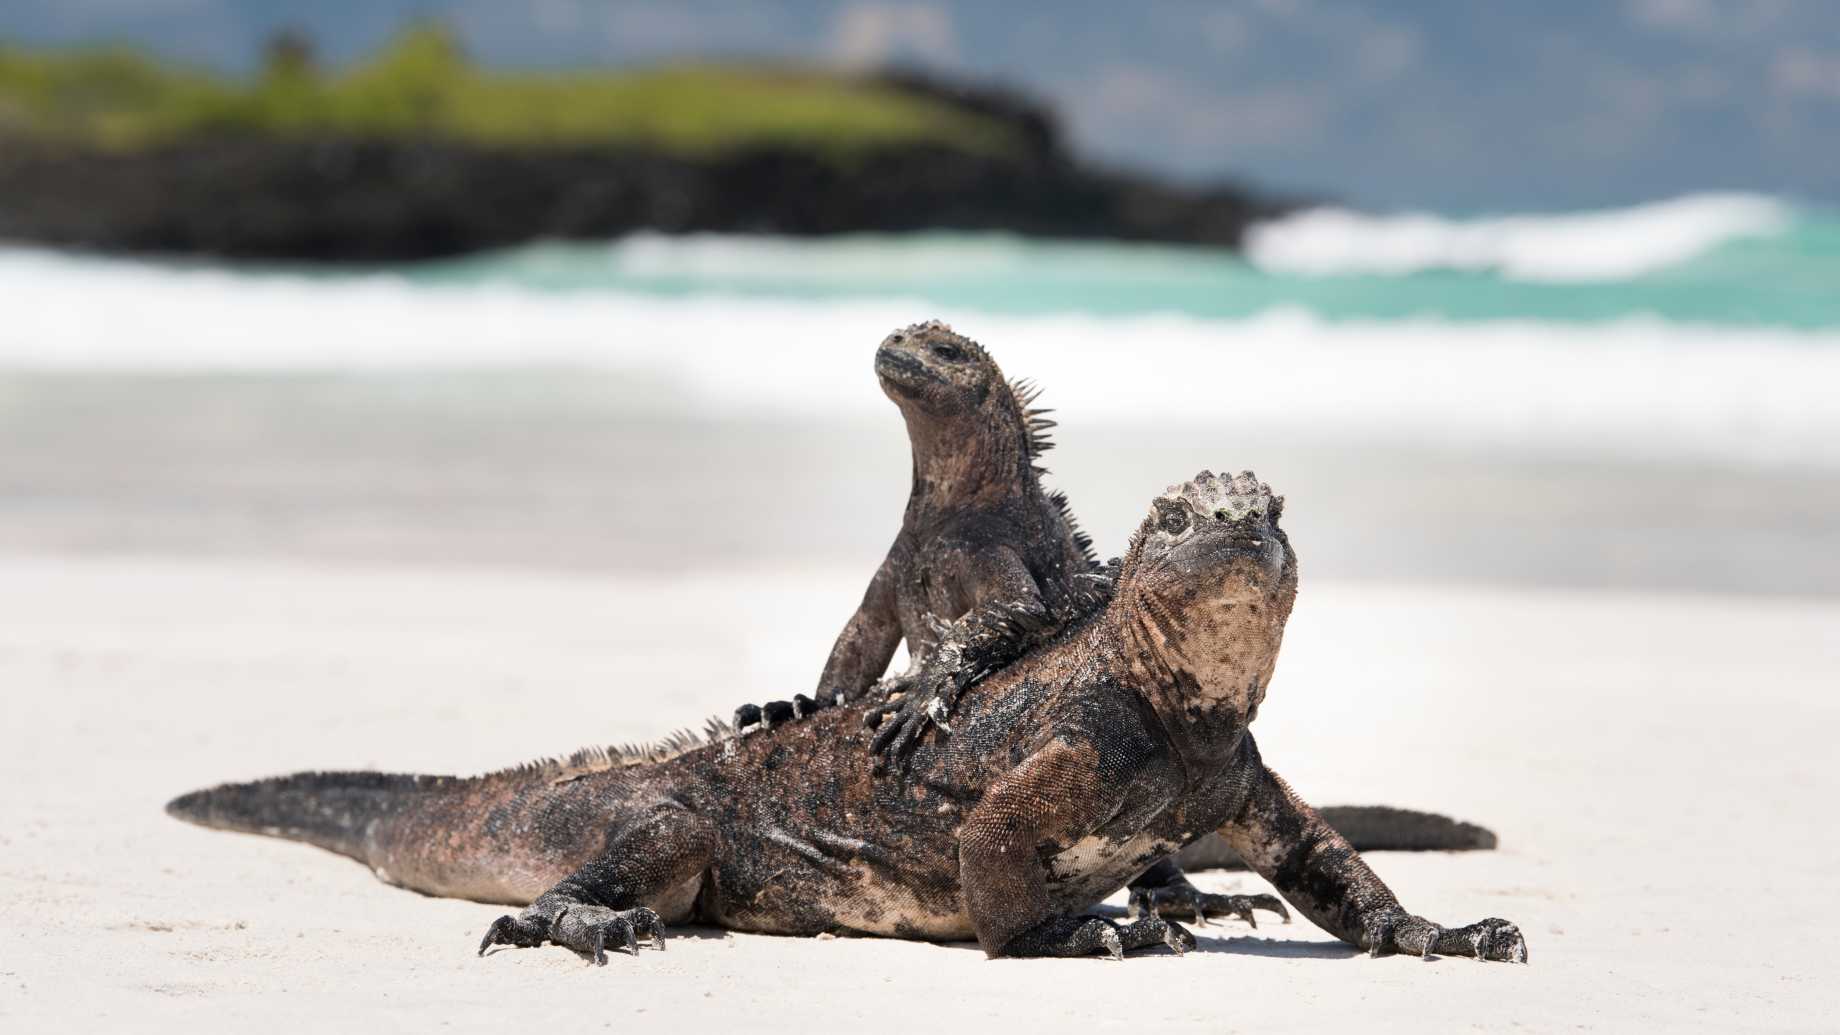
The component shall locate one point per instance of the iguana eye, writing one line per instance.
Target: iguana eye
(949, 353)
(1173, 520)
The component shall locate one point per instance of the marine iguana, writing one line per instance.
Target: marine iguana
(978, 526)
(985, 547)
(1067, 773)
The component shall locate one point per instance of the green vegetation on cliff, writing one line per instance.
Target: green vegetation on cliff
(423, 85)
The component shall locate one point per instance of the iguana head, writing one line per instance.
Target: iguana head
(931, 368)
(974, 435)
(1208, 586)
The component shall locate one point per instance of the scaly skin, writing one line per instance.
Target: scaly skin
(1068, 773)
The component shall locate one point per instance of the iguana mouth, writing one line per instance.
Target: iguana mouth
(901, 368)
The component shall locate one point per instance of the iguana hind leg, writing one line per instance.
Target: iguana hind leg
(609, 901)
(1165, 891)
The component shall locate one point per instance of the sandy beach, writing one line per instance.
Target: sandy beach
(1655, 767)
(206, 578)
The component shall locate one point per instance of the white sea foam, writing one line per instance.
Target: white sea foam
(842, 259)
(1587, 246)
(1637, 386)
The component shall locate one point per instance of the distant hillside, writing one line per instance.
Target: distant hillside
(417, 153)
(422, 84)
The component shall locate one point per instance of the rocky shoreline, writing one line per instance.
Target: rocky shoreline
(333, 199)
(330, 197)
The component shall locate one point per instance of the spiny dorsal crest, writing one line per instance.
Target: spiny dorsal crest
(591, 760)
(1081, 540)
(1036, 424)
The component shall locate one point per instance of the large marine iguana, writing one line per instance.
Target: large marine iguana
(990, 563)
(1068, 773)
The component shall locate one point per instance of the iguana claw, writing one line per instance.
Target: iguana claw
(1114, 945)
(1379, 936)
(1178, 939)
(766, 716)
(522, 932)
(585, 929)
(937, 710)
(1429, 945)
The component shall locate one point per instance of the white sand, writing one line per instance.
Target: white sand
(1660, 771)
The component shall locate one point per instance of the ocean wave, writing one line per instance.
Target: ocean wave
(1612, 244)
(1579, 269)
(1633, 386)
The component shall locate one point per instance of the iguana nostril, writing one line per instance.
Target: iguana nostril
(1221, 514)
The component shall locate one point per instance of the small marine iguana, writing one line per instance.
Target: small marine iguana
(1068, 772)
(978, 526)
(985, 547)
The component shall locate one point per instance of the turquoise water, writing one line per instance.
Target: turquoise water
(1784, 273)
(1694, 329)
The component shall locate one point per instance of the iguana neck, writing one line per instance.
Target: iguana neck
(980, 462)
(1204, 702)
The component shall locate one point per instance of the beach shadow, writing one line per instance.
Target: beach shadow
(1274, 948)
(1248, 944)
(1206, 942)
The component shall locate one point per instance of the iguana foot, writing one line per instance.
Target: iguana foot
(901, 725)
(771, 714)
(1085, 935)
(1399, 931)
(587, 930)
(1184, 901)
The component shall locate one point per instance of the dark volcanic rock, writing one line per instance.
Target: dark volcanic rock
(353, 199)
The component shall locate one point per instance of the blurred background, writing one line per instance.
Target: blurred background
(1530, 295)
(437, 384)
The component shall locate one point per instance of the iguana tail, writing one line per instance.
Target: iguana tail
(1369, 828)
(339, 812)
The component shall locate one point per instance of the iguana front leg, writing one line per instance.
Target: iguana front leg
(1287, 843)
(1056, 796)
(1008, 616)
(863, 649)
(604, 902)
